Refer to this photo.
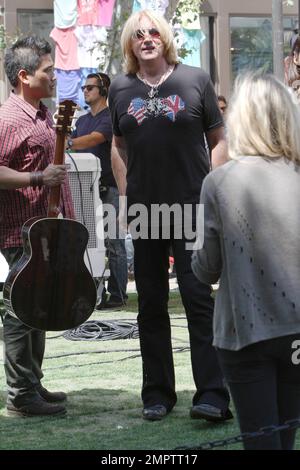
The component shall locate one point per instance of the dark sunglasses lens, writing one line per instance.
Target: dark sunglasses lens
(87, 87)
(154, 33)
(139, 34)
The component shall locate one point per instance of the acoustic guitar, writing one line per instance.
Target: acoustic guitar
(50, 287)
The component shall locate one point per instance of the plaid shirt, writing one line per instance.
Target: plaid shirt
(27, 143)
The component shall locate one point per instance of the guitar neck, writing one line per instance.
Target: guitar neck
(66, 110)
(54, 200)
(55, 191)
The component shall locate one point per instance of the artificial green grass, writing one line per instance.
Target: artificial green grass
(104, 405)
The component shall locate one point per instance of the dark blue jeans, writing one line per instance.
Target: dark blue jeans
(151, 264)
(117, 256)
(265, 387)
(23, 352)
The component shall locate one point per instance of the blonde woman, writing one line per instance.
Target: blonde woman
(161, 111)
(252, 245)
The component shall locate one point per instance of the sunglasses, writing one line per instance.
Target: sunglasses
(89, 87)
(141, 33)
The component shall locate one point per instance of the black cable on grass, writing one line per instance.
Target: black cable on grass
(82, 353)
(102, 330)
(175, 350)
(105, 331)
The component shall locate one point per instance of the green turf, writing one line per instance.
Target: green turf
(104, 405)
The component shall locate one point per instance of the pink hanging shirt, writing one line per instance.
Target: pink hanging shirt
(87, 12)
(106, 9)
(66, 48)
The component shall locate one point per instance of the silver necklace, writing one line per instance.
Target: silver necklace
(154, 87)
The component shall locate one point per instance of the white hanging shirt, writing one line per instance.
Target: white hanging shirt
(65, 13)
(89, 55)
(159, 6)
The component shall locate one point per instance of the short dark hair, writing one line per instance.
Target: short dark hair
(25, 53)
(295, 43)
(103, 80)
(222, 98)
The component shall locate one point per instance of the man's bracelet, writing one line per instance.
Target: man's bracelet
(36, 179)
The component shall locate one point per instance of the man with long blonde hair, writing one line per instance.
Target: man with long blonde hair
(161, 111)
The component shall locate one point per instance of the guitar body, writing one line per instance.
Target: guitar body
(50, 288)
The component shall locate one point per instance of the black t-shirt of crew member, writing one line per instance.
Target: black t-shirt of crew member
(167, 160)
(101, 123)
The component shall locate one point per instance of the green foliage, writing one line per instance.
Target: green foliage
(2, 37)
(7, 40)
(187, 6)
(188, 10)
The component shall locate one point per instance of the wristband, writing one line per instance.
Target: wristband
(36, 179)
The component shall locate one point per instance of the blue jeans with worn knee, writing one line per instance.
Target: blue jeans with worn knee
(116, 251)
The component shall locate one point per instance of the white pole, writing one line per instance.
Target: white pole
(277, 15)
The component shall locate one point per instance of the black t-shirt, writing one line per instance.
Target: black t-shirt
(101, 122)
(167, 160)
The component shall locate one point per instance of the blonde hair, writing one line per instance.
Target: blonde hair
(130, 64)
(263, 119)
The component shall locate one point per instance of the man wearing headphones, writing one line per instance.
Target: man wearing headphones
(93, 133)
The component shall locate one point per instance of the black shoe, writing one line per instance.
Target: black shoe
(210, 413)
(51, 397)
(154, 413)
(38, 407)
(101, 306)
(110, 305)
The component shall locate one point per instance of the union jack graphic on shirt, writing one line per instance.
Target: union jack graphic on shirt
(172, 105)
(154, 107)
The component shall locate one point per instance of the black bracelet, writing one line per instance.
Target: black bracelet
(36, 179)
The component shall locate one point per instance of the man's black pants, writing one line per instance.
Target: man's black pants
(151, 263)
(23, 352)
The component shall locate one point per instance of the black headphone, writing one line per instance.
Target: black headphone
(103, 90)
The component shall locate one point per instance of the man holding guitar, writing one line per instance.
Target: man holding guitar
(26, 174)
